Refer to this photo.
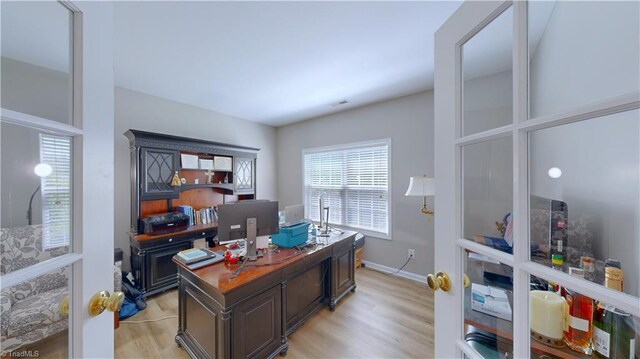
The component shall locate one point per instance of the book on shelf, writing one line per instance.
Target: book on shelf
(206, 215)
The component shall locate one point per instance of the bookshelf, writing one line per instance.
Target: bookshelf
(155, 158)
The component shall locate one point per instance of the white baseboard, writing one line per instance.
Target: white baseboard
(385, 269)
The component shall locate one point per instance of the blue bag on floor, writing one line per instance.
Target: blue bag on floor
(128, 309)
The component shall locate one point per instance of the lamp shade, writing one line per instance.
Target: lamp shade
(421, 186)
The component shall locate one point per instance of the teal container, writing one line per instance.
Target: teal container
(291, 236)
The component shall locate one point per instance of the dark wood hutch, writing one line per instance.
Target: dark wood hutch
(154, 160)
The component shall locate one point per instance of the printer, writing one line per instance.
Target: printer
(165, 223)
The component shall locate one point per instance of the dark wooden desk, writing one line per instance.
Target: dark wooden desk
(249, 315)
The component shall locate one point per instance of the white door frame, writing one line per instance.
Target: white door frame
(96, 333)
(449, 307)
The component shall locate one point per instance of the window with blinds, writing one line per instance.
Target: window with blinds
(56, 191)
(354, 182)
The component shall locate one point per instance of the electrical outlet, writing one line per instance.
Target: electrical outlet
(412, 253)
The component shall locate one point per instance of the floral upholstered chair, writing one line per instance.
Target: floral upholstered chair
(30, 311)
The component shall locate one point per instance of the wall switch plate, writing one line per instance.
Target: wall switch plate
(412, 253)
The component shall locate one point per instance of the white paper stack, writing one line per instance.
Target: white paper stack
(490, 300)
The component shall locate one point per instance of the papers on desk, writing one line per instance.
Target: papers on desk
(199, 257)
(490, 300)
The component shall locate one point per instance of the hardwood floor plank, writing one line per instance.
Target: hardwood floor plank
(387, 317)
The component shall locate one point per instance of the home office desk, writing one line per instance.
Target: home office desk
(249, 315)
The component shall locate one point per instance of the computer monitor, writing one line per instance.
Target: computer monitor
(247, 220)
(293, 214)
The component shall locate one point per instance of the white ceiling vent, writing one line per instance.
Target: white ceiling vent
(339, 103)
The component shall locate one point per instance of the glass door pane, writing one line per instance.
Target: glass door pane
(36, 195)
(488, 193)
(585, 197)
(36, 59)
(35, 315)
(566, 323)
(488, 304)
(581, 52)
(487, 76)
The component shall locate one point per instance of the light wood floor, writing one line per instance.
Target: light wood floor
(387, 317)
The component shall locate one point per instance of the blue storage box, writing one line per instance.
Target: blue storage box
(291, 236)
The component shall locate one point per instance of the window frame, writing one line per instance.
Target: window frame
(350, 146)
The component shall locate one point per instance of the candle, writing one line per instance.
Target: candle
(546, 313)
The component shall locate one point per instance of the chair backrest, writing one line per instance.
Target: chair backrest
(21, 247)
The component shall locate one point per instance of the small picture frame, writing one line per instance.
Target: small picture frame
(189, 161)
(206, 164)
(222, 163)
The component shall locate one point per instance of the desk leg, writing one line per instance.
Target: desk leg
(284, 342)
(283, 297)
(333, 280)
(224, 340)
(180, 311)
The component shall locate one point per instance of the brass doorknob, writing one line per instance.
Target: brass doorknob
(103, 300)
(63, 307)
(465, 280)
(439, 281)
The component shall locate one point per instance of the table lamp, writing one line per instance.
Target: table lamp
(422, 186)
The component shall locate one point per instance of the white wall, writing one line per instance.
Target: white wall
(136, 110)
(588, 52)
(20, 153)
(408, 121)
(35, 90)
(485, 110)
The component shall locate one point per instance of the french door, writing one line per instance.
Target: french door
(57, 177)
(537, 166)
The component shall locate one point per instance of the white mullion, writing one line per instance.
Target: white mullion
(39, 123)
(620, 300)
(502, 257)
(76, 303)
(494, 133)
(627, 102)
(466, 349)
(38, 269)
(458, 315)
(521, 287)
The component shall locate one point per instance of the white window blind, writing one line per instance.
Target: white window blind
(56, 191)
(354, 183)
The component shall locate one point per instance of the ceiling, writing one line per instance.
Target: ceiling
(277, 62)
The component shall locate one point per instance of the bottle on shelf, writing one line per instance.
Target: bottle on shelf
(557, 261)
(613, 330)
(577, 334)
(588, 264)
